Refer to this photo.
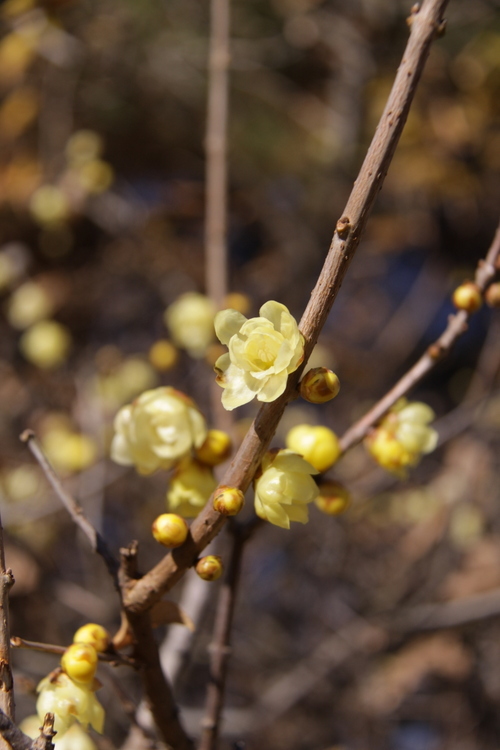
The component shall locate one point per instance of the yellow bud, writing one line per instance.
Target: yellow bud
(215, 449)
(237, 301)
(209, 568)
(492, 295)
(79, 661)
(318, 445)
(467, 297)
(333, 498)
(319, 385)
(96, 635)
(170, 530)
(46, 344)
(163, 355)
(95, 176)
(228, 501)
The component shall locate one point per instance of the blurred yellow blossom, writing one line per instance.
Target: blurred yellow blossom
(69, 701)
(317, 444)
(49, 205)
(403, 436)
(262, 353)
(190, 488)
(190, 320)
(46, 344)
(284, 488)
(157, 430)
(30, 303)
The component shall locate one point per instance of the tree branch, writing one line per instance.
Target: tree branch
(426, 23)
(7, 704)
(97, 542)
(457, 325)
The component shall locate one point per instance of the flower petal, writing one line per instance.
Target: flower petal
(277, 515)
(272, 388)
(298, 513)
(287, 460)
(236, 391)
(227, 323)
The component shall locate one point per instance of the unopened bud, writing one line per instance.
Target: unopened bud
(216, 448)
(209, 568)
(228, 501)
(467, 297)
(317, 444)
(79, 661)
(492, 295)
(163, 355)
(333, 498)
(319, 385)
(170, 530)
(96, 635)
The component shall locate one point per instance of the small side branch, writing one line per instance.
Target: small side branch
(20, 741)
(457, 325)
(220, 647)
(51, 648)
(7, 704)
(73, 507)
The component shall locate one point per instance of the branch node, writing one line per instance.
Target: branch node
(441, 28)
(343, 227)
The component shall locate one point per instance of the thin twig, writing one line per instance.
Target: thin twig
(426, 23)
(73, 507)
(216, 269)
(220, 647)
(7, 704)
(457, 325)
(51, 648)
(44, 739)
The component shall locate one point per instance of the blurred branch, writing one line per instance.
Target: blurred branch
(426, 22)
(7, 704)
(74, 508)
(216, 149)
(20, 741)
(220, 649)
(50, 648)
(457, 325)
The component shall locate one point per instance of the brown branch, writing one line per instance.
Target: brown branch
(44, 739)
(426, 23)
(457, 325)
(7, 704)
(216, 270)
(73, 507)
(51, 648)
(220, 647)
(13, 735)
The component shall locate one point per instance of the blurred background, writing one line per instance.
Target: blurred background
(379, 629)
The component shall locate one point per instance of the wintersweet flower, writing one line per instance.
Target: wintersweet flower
(157, 430)
(403, 436)
(69, 702)
(190, 488)
(284, 488)
(262, 353)
(190, 320)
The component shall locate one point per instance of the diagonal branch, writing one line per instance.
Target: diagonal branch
(426, 22)
(97, 542)
(457, 325)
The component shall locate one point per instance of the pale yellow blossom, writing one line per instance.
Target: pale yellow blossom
(190, 488)
(190, 320)
(262, 353)
(284, 489)
(156, 431)
(69, 702)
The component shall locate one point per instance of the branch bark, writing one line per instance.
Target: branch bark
(426, 22)
(7, 704)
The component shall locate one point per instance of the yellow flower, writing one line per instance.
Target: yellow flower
(95, 634)
(69, 702)
(190, 488)
(46, 344)
(262, 353)
(403, 436)
(190, 320)
(79, 661)
(284, 489)
(157, 430)
(29, 304)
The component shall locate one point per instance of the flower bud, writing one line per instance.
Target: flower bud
(210, 567)
(492, 295)
(170, 530)
(319, 385)
(333, 498)
(228, 501)
(467, 297)
(190, 320)
(96, 635)
(216, 448)
(237, 301)
(318, 445)
(49, 205)
(28, 304)
(163, 355)
(46, 344)
(79, 662)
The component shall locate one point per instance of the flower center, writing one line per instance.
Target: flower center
(262, 351)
